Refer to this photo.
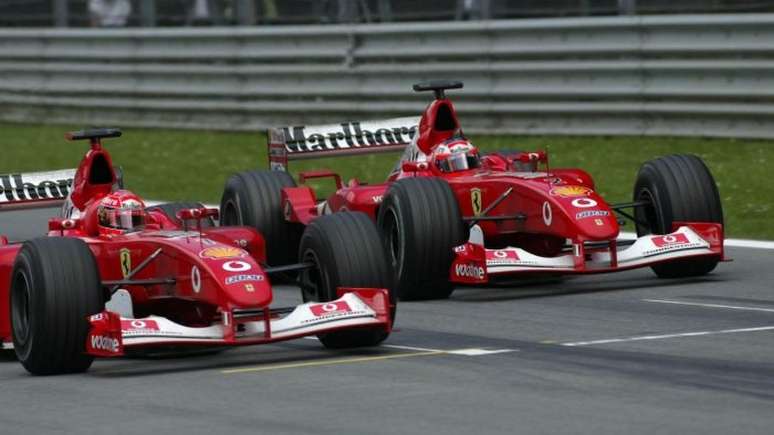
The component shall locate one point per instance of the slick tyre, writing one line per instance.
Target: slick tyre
(420, 224)
(171, 208)
(55, 287)
(678, 188)
(254, 199)
(346, 251)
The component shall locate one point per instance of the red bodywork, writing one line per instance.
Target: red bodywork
(202, 286)
(545, 212)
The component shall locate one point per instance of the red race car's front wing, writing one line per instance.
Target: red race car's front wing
(111, 334)
(474, 264)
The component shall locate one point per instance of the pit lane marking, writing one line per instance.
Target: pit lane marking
(699, 304)
(667, 336)
(330, 362)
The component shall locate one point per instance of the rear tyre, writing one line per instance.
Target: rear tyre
(171, 208)
(347, 252)
(254, 199)
(55, 287)
(420, 224)
(679, 188)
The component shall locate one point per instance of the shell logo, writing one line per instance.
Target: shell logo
(571, 191)
(219, 252)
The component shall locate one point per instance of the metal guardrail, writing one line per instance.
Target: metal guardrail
(704, 75)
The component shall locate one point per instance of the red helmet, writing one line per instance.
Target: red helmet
(456, 154)
(121, 212)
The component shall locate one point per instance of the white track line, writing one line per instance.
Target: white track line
(665, 336)
(698, 304)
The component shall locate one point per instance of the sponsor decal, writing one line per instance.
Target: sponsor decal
(591, 213)
(377, 199)
(476, 201)
(570, 191)
(599, 222)
(670, 240)
(125, 256)
(469, 271)
(242, 278)
(249, 288)
(460, 249)
(330, 308)
(105, 343)
(584, 203)
(304, 139)
(196, 279)
(139, 325)
(236, 266)
(548, 215)
(220, 252)
(502, 256)
(36, 186)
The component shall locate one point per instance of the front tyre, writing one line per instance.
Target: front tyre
(420, 223)
(346, 252)
(55, 287)
(678, 188)
(254, 199)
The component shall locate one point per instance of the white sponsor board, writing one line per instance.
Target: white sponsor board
(35, 186)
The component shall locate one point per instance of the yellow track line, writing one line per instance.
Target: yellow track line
(330, 362)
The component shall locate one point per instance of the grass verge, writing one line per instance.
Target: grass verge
(193, 165)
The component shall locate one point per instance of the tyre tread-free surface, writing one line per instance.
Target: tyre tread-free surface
(681, 188)
(254, 199)
(63, 289)
(420, 223)
(348, 252)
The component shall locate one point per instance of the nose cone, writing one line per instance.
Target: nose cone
(242, 280)
(589, 217)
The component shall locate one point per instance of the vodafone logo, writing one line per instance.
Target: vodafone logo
(196, 279)
(101, 342)
(670, 240)
(548, 215)
(469, 271)
(129, 325)
(330, 308)
(236, 266)
(584, 203)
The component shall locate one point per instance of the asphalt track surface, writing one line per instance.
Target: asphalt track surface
(620, 353)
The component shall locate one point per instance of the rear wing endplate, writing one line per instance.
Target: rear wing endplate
(346, 138)
(26, 189)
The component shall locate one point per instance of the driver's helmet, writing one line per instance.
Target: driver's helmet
(456, 154)
(121, 212)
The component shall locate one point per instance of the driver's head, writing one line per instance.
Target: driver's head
(121, 212)
(456, 154)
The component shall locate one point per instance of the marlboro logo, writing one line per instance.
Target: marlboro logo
(36, 186)
(305, 139)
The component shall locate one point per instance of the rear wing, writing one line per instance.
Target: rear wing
(346, 138)
(18, 190)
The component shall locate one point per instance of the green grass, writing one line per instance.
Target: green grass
(176, 164)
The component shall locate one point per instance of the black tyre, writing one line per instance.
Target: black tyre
(679, 188)
(347, 252)
(253, 198)
(55, 286)
(171, 208)
(420, 224)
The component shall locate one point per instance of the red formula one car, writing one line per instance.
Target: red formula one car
(448, 214)
(113, 277)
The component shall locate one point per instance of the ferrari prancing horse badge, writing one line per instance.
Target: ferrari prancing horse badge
(475, 200)
(126, 262)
